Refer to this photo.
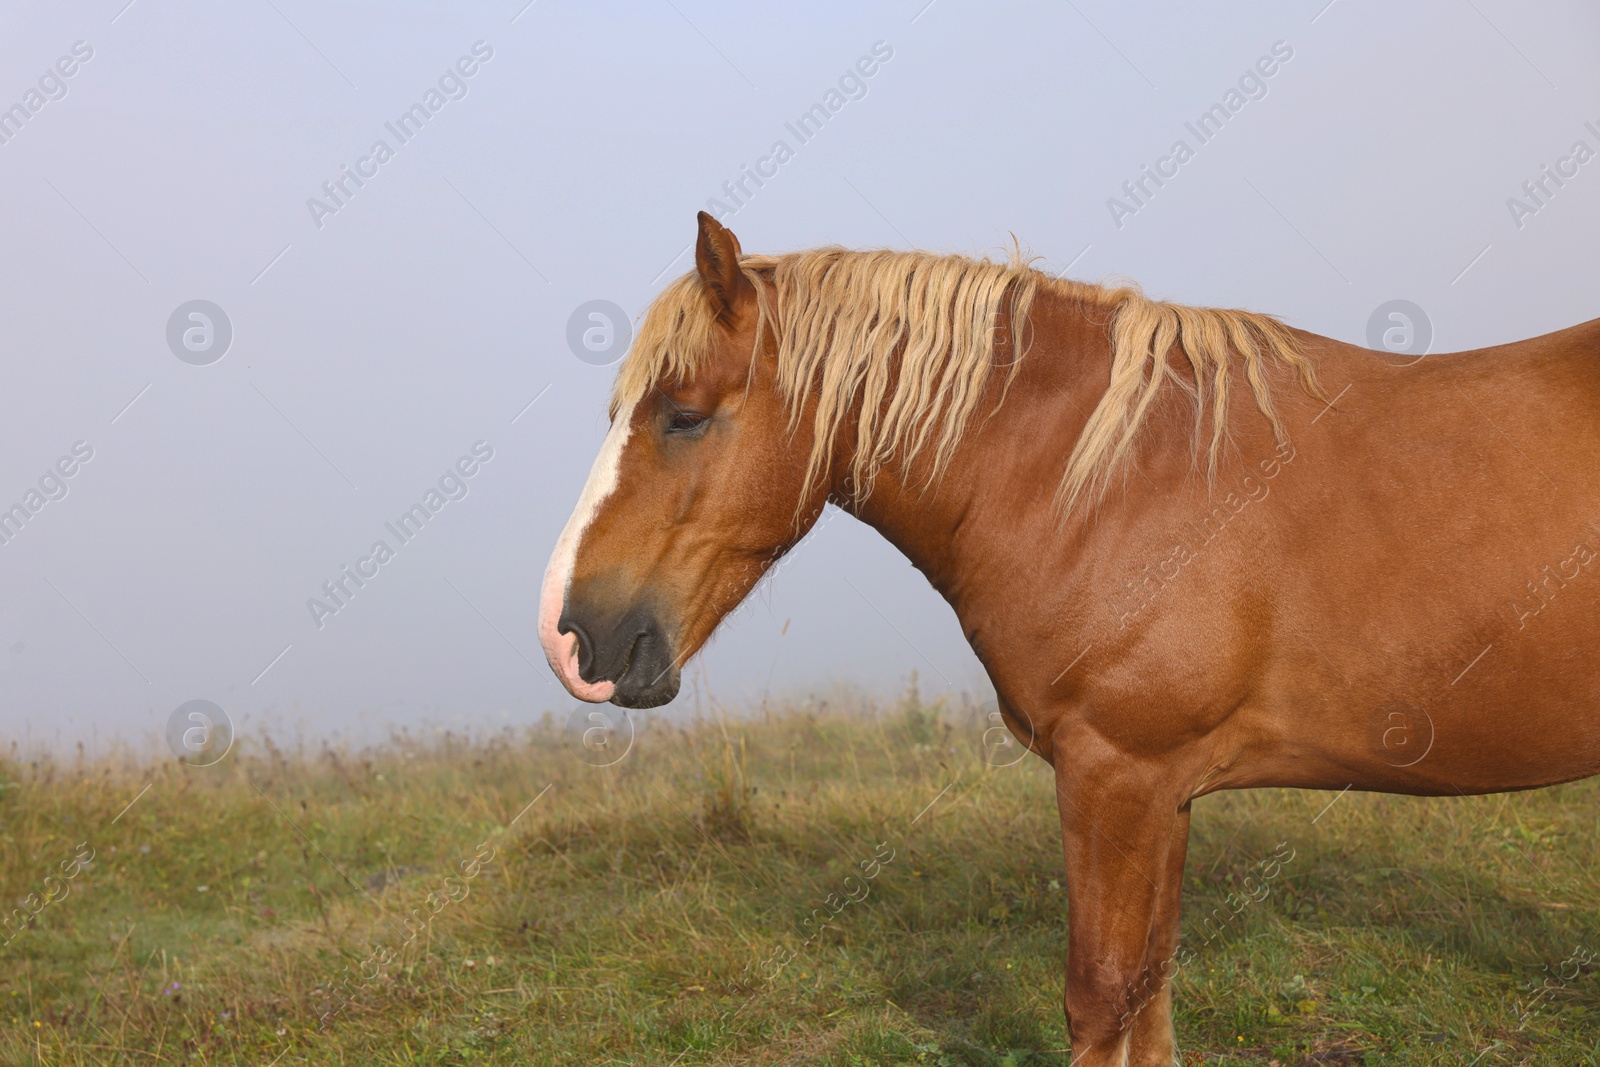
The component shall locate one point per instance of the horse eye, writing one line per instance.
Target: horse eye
(685, 422)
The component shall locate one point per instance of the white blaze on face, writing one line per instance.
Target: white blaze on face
(562, 649)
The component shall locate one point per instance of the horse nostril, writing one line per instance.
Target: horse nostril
(649, 677)
(585, 647)
(631, 650)
(639, 645)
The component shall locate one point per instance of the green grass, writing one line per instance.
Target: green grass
(633, 914)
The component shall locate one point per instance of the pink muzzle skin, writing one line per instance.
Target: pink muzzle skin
(562, 649)
(563, 656)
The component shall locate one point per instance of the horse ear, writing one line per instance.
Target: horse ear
(716, 256)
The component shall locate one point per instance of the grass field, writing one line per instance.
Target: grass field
(835, 884)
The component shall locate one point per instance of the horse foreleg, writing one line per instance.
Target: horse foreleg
(1152, 1042)
(1125, 832)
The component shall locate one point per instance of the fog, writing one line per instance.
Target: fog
(375, 322)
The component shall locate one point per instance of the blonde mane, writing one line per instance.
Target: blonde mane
(910, 340)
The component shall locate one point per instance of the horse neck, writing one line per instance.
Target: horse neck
(1001, 480)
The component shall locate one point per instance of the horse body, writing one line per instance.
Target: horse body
(1389, 582)
(1426, 541)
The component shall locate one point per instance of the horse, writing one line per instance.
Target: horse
(1357, 572)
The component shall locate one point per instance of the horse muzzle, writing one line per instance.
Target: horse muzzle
(626, 659)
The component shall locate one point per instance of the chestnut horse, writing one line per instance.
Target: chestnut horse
(1354, 572)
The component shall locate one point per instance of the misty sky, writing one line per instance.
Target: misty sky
(389, 334)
